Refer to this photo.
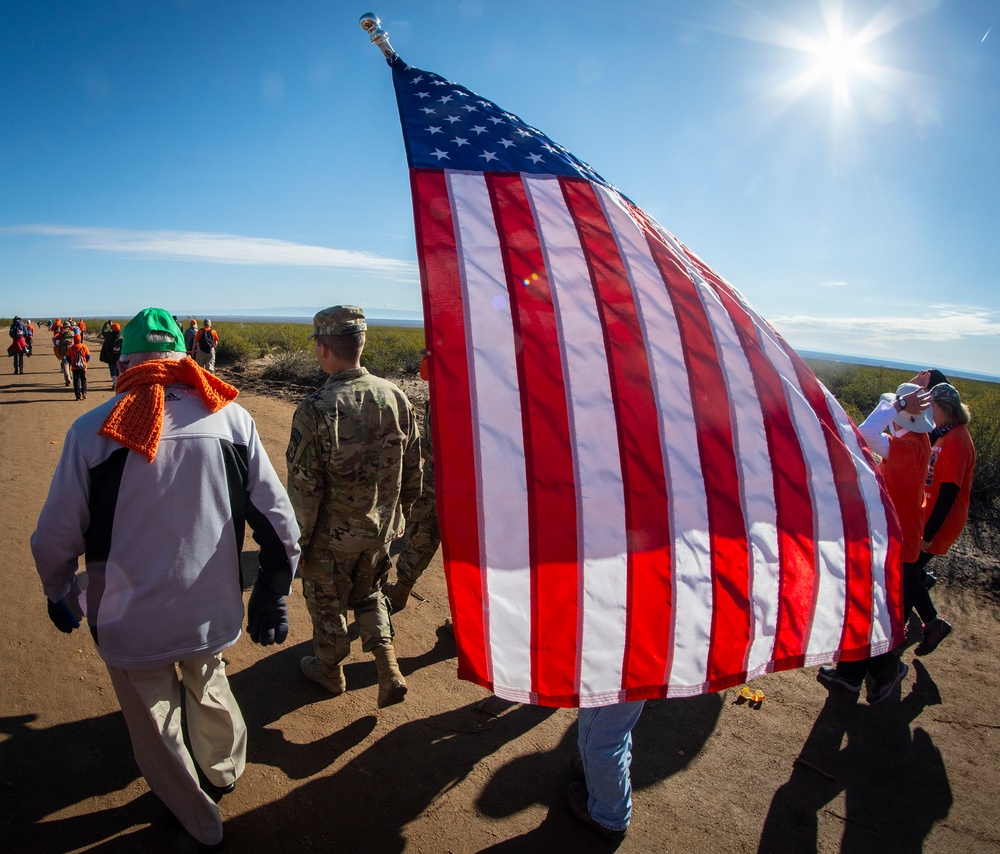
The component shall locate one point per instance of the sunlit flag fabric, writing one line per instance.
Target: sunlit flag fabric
(642, 490)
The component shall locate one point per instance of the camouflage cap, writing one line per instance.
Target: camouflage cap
(946, 393)
(339, 320)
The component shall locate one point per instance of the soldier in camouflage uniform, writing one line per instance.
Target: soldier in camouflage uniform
(353, 473)
(422, 537)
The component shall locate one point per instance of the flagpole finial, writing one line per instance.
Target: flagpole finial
(371, 24)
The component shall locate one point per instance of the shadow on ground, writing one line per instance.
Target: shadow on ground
(894, 781)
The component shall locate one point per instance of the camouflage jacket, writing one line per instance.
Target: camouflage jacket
(353, 464)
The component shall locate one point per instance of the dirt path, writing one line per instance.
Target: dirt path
(453, 769)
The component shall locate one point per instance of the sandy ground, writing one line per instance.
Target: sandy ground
(454, 769)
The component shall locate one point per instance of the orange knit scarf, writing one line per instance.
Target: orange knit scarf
(137, 419)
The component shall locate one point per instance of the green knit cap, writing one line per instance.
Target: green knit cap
(152, 330)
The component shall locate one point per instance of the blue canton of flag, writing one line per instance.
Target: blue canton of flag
(449, 127)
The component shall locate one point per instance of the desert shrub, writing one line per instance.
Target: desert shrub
(984, 402)
(392, 351)
(288, 355)
(293, 367)
(239, 342)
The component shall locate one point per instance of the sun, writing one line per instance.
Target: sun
(839, 58)
(838, 61)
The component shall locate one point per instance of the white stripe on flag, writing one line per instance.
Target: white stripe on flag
(594, 433)
(690, 548)
(498, 434)
(756, 476)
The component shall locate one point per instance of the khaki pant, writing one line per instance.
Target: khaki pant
(347, 582)
(151, 703)
(206, 360)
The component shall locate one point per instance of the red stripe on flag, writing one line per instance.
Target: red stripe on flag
(795, 520)
(731, 615)
(455, 485)
(857, 542)
(552, 534)
(647, 642)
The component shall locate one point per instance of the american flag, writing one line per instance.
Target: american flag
(642, 490)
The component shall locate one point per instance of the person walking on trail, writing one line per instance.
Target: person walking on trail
(905, 453)
(946, 502)
(111, 348)
(190, 334)
(18, 343)
(422, 537)
(353, 474)
(66, 337)
(78, 357)
(155, 487)
(205, 342)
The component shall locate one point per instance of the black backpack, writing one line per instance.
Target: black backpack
(207, 340)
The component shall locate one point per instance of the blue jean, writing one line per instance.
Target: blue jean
(605, 741)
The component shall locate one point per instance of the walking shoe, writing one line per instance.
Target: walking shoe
(330, 677)
(391, 684)
(216, 793)
(828, 678)
(577, 797)
(881, 692)
(398, 594)
(934, 632)
(928, 579)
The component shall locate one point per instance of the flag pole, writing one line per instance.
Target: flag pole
(371, 24)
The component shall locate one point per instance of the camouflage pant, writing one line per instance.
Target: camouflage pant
(420, 542)
(422, 537)
(347, 581)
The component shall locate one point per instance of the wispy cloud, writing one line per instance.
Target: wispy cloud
(833, 284)
(218, 248)
(951, 324)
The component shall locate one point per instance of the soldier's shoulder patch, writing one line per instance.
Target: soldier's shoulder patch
(293, 444)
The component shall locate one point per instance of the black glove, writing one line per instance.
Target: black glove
(267, 617)
(62, 616)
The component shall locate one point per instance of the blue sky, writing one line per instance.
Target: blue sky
(837, 163)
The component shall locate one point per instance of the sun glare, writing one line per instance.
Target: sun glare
(840, 58)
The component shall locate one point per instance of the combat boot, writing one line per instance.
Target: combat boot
(391, 685)
(398, 594)
(330, 676)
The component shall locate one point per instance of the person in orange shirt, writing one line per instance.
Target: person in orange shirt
(205, 342)
(56, 330)
(905, 453)
(78, 356)
(946, 501)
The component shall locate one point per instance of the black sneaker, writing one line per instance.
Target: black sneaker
(828, 677)
(934, 633)
(928, 579)
(882, 692)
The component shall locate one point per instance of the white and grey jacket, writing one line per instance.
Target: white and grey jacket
(162, 540)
